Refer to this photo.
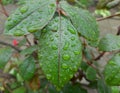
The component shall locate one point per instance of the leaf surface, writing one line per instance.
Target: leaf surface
(59, 51)
(109, 43)
(112, 71)
(27, 68)
(5, 54)
(82, 20)
(31, 17)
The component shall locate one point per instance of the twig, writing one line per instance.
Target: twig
(100, 19)
(99, 56)
(6, 44)
(27, 40)
(4, 10)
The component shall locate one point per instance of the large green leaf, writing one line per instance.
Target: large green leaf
(27, 68)
(82, 20)
(109, 43)
(102, 87)
(31, 17)
(5, 54)
(112, 71)
(59, 51)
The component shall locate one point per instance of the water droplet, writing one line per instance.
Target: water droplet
(66, 46)
(65, 78)
(24, 9)
(72, 38)
(73, 45)
(54, 47)
(57, 35)
(44, 30)
(18, 33)
(71, 30)
(51, 38)
(66, 57)
(71, 75)
(32, 29)
(75, 68)
(64, 66)
(76, 52)
(41, 64)
(47, 44)
(48, 76)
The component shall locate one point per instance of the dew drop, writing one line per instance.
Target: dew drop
(64, 66)
(24, 9)
(51, 39)
(66, 57)
(72, 38)
(18, 33)
(48, 76)
(54, 47)
(76, 52)
(57, 35)
(32, 29)
(66, 46)
(71, 30)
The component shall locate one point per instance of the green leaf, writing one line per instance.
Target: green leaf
(91, 74)
(109, 43)
(115, 89)
(112, 71)
(102, 87)
(84, 66)
(69, 88)
(5, 54)
(60, 51)
(31, 17)
(20, 90)
(29, 50)
(82, 20)
(27, 68)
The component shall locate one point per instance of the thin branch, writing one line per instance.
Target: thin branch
(27, 40)
(100, 19)
(4, 10)
(99, 56)
(6, 44)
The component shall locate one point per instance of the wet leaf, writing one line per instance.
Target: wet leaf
(115, 89)
(91, 73)
(59, 51)
(83, 21)
(20, 90)
(27, 68)
(31, 17)
(109, 43)
(102, 87)
(112, 71)
(5, 54)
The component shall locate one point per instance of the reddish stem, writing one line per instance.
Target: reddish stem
(4, 10)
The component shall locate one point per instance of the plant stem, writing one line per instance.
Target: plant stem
(4, 10)
(100, 19)
(6, 44)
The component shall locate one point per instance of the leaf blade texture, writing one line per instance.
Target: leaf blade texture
(82, 20)
(31, 17)
(112, 71)
(60, 51)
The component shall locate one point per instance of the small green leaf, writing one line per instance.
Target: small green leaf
(69, 88)
(29, 50)
(82, 20)
(109, 43)
(5, 54)
(112, 71)
(59, 51)
(91, 74)
(20, 90)
(84, 66)
(27, 68)
(31, 17)
(102, 87)
(115, 89)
